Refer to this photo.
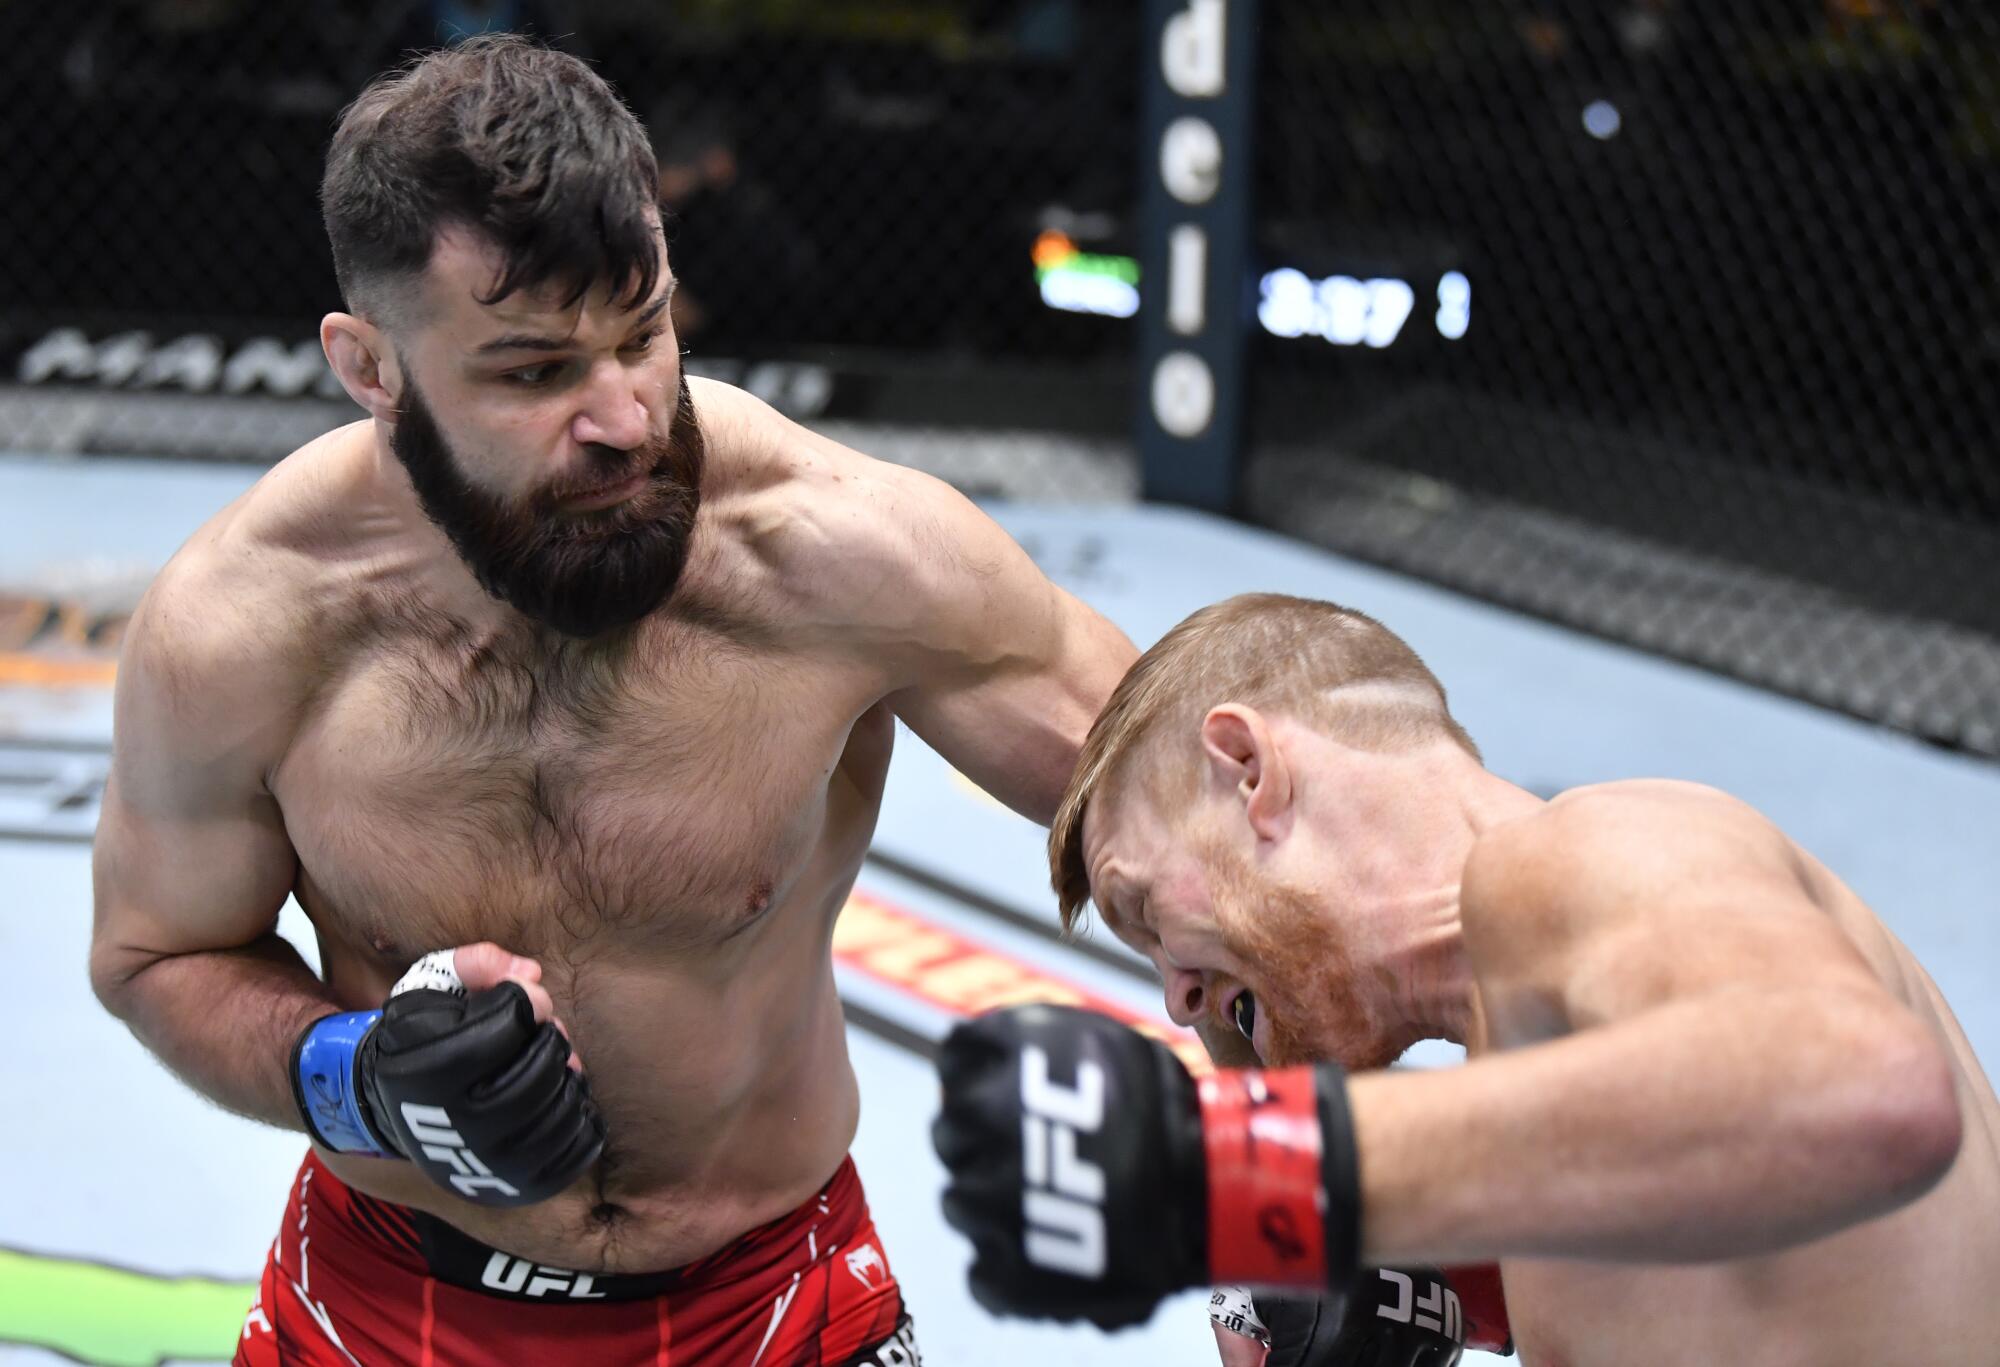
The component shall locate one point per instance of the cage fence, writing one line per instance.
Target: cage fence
(1666, 319)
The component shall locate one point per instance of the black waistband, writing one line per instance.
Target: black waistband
(457, 1259)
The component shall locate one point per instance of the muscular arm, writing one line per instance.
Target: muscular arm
(191, 863)
(1729, 1078)
(994, 666)
(1005, 671)
(1011, 671)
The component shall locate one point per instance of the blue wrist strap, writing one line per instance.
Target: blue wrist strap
(324, 1077)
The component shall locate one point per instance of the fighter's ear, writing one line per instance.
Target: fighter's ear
(366, 364)
(1243, 755)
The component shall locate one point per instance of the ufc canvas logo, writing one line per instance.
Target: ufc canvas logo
(1437, 1309)
(431, 1128)
(1064, 1196)
(519, 1277)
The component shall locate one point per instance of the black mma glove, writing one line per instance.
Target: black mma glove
(1395, 1317)
(1094, 1176)
(469, 1088)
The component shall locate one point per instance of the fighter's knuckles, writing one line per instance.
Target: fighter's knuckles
(971, 1212)
(956, 1144)
(502, 1016)
(529, 1076)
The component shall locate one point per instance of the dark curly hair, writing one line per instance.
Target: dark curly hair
(520, 143)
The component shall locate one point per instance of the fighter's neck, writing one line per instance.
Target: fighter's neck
(410, 552)
(1436, 995)
(1433, 995)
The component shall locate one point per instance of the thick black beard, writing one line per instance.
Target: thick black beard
(582, 575)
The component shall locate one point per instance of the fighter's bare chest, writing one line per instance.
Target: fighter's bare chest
(439, 799)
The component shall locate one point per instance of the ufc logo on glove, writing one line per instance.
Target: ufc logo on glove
(432, 1128)
(1063, 1198)
(1437, 1309)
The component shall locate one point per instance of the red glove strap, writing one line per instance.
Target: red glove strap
(1266, 1212)
(1484, 1306)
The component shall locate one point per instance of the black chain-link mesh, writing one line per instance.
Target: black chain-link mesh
(1665, 318)
(1671, 319)
(858, 187)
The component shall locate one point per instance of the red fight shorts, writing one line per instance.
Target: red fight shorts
(353, 1280)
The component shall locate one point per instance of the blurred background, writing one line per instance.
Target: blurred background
(1672, 320)
(1635, 359)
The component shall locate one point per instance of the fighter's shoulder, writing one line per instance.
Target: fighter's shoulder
(1615, 848)
(814, 515)
(230, 616)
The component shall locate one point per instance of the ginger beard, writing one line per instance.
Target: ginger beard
(585, 573)
(1308, 996)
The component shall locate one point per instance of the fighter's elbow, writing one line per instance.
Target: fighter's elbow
(114, 973)
(1904, 1128)
(109, 985)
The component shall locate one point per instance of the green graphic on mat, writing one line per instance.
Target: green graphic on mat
(115, 1317)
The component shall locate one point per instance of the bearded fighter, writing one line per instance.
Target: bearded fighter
(1713, 1110)
(560, 691)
